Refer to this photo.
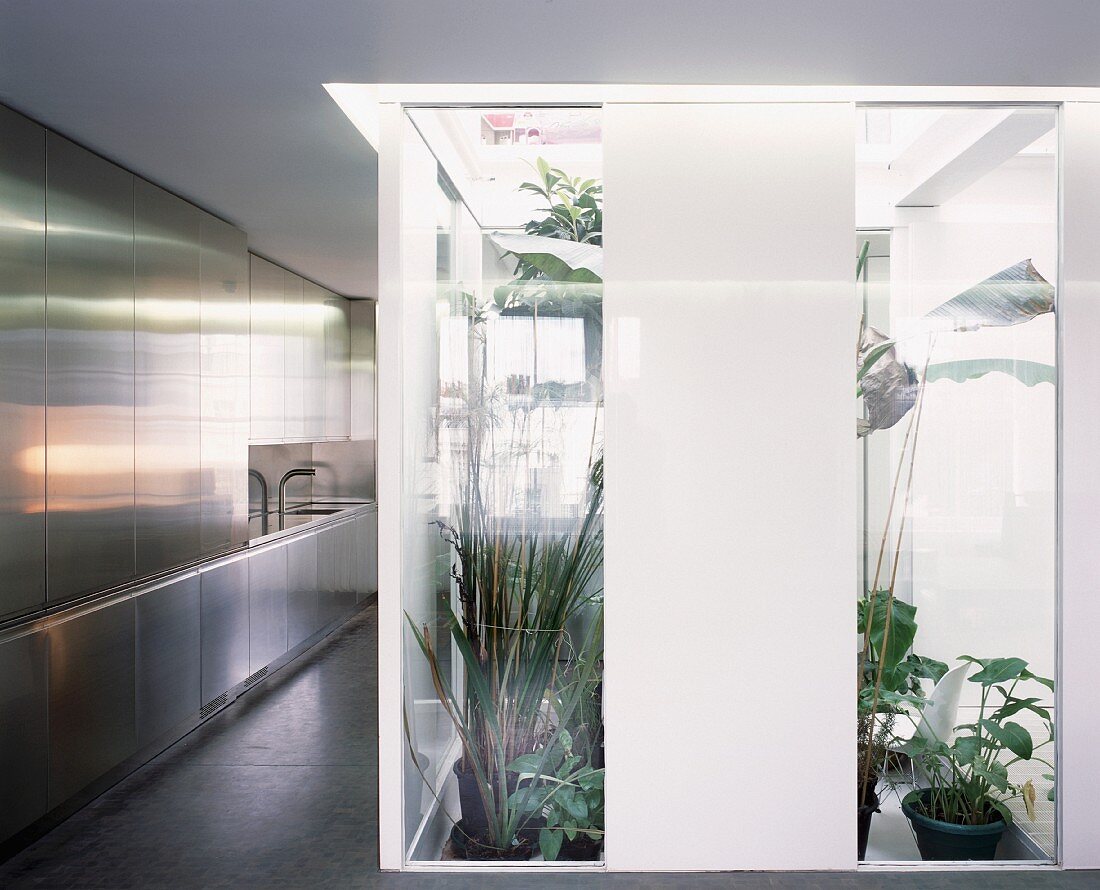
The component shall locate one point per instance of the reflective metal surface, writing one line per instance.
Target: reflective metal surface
(90, 371)
(301, 606)
(166, 342)
(91, 698)
(224, 627)
(23, 734)
(267, 349)
(294, 357)
(363, 315)
(313, 361)
(366, 525)
(225, 384)
(22, 363)
(167, 661)
(335, 571)
(287, 476)
(337, 367)
(267, 575)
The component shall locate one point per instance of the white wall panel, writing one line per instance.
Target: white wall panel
(731, 486)
(1079, 311)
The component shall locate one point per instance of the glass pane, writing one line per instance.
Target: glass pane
(956, 261)
(503, 544)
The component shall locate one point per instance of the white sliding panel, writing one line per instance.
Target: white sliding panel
(731, 486)
(1079, 316)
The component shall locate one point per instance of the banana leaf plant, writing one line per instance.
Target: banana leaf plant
(888, 676)
(889, 386)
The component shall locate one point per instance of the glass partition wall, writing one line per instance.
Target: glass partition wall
(956, 263)
(503, 529)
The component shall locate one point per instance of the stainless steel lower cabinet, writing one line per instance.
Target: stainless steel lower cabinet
(168, 661)
(303, 614)
(23, 734)
(224, 627)
(91, 697)
(267, 617)
(366, 554)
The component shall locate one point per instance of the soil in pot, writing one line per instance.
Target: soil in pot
(939, 841)
(581, 849)
(863, 821)
(478, 849)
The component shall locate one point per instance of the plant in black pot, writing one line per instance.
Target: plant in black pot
(963, 812)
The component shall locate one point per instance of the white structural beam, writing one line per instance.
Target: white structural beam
(959, 149)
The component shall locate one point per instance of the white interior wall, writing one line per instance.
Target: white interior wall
(731, 486)
(1079, 308)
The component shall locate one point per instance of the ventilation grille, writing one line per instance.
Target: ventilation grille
(214, 704)
(256, 677)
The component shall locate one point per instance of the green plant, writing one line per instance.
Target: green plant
(566, 790)
(888, 675)
(969, 777)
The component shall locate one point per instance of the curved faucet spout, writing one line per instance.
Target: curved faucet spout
(287, 476)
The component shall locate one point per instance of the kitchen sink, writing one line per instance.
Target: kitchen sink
(315, 511)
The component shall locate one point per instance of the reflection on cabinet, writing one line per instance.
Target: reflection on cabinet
(22, 362)
(91, 698)
(366, 549)
(23, 733)
(224, 633)
(303, 595)
(168, 668)
(301, 358)
(266, 607)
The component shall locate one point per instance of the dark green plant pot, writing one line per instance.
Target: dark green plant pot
(940, 841)
(863, 823)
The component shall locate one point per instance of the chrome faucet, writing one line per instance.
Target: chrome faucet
(290, 474)
(259, 477)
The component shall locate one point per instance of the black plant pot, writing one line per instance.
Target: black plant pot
(475, 823)
(863, 822)
(940, 841)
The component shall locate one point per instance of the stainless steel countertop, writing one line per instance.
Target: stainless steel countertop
(293, 523)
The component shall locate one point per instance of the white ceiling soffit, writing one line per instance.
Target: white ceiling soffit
(222, 102)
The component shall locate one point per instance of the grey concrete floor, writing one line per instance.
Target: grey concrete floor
(279, 791)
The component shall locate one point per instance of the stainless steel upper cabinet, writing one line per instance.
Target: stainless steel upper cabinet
(294, 358)
(89, 371)
(22, 363)
(268, 352)
(225, 384)
(337, 367)
(166, 441)
(363, 316)
(313, 361)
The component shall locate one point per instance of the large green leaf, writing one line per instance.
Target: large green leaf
(550, 843)
(556, 258)
(903, 629)
(997, 670)
(1012, 735)
(1028, 373)
(1014, 295)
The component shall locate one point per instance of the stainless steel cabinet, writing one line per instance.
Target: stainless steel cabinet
(168, 667)
(337, 367)
(23, 733)
(268, 350)
(22, 363)
(224, 627)
(303, 617)
(294, 357)
(313, 361)
(91, 697)
(366, 533)
(224, 363)
(89, 371)
(166, 285)
(267, 607)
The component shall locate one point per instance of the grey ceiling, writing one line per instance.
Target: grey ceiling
(221, 100)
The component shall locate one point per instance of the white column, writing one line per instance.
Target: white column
(731, 486)
(1078, 784)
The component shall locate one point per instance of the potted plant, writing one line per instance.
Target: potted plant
(888, 676)
(963, 812)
